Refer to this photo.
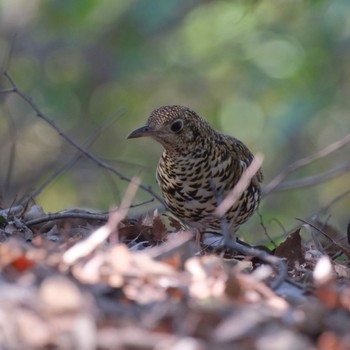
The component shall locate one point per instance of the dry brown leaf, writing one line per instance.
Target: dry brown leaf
(174, 260)
(160, 232)
(327, 239)
(147, 220)
(331, 341)
(22, 263)
(291, 249)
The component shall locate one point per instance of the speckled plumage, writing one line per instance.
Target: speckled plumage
(198, 168)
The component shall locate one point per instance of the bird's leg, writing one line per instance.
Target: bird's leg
(226, 232)
(223, 222)
(225, 227)
(198, 238)
(229, 233)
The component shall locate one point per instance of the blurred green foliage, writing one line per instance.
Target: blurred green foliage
(275, 74)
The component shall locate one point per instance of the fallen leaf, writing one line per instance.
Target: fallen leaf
(291, 249)
(22, 263)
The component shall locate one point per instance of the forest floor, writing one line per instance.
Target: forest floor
(75, 280)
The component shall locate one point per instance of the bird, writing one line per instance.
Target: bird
(199, 166)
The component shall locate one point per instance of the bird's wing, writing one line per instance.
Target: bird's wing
(242, 157)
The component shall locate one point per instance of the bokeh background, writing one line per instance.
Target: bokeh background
(275, 74)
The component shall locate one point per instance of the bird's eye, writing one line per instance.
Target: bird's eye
(177, 126)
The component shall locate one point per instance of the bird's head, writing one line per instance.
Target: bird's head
(177, 128)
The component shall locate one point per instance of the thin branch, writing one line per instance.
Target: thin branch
(86, 153)
(275, 183)
(312, 180)
(310, 217)
(77, 215)
(262, 224)
(341, 247)
(77, 156)
(7, 91)
(12, 156)
(332, 202)
(7, 56)
(67, 215)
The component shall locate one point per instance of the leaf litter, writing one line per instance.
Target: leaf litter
(140, 283)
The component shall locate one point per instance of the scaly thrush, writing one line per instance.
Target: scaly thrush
(199, 167)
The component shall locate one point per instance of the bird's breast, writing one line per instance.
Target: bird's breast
(192, 186)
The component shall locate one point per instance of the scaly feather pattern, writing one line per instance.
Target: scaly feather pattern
(199, 167)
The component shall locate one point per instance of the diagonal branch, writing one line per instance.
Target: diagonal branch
(275, 184)
(312, 180)
(85, 152)
(12, 156)
(76, 157)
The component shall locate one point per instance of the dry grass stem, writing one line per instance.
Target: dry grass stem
(241, 186)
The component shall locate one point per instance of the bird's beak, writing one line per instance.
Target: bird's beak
(141, 132)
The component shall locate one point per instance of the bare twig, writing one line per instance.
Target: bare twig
(13, 211)
(85, 247)
(7, 91)
(262, 224)
(8, 54)
(276, 182)
(74, 214)
(86, 153)
(12, 156)
(332, 202)
(339, 246)
(309, 218)
(312, 180)
(66, 215)
(77, 156)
